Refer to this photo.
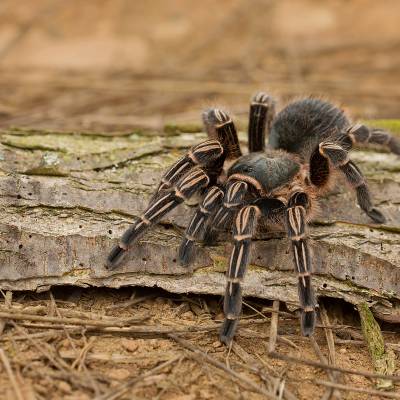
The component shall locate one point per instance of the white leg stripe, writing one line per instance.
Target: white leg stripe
(162, 210)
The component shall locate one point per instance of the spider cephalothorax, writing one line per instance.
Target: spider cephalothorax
(308, 140)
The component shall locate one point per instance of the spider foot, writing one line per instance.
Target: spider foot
(376, 216)
(228, 331)
(198, 224)
(210, 238)
(308, 320)
(186, 251)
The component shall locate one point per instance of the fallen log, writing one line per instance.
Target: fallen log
(67, 197)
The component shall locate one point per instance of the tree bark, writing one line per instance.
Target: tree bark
(67, 197)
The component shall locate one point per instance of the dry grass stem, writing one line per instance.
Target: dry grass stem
(333, 375)
(274, 326)
(255, 366)
(119, 391)
(11, 375)
(68, 321)
(200, 355)
(331, 367)
(371, 392)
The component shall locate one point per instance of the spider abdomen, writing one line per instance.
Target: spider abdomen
(270, 169)
(302, 124)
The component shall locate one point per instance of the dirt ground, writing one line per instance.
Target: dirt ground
(114, 65)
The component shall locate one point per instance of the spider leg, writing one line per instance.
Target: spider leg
(203, 154)
(244, 230)
(296, 224)
(262, 112)
(339, 159)
(164, 202)
(363, 134)
(220, 126)
(196, 227)
(235, 192)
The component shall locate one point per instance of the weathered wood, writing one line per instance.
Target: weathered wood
(67, 197)
(383, 359)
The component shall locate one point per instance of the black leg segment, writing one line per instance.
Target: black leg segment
(296, 225)
(244, 229)
(235, 193)
(220, 126)
(339, 159)
(355, 177)
(362, 134)
(203, 154)
(164, 202)
(262, 111)
(197, 225)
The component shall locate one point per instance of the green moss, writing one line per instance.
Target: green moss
(220, 264)
(23, 131)
(372, 331)
(47, 171)
(76, 144)
(383, 362)
(392, 125)
(175, 128)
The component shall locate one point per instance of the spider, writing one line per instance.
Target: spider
(308, 141)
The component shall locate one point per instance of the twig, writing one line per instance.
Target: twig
(67, 321)
(331, 374)
(34, 372)
(255, 310)
(74, 377)
(39, 335)
(328, 333)
(64, 312)
(254, 365)
(351, 342)
(331, 350)
(86, 371)
(144, 329)
(380, 394)
(11, 375)
(82, 354)
(197, 353)
(274, 326)
(331, 367)
(118, 358)
(7, 300)
(131, 302)
(122, 389)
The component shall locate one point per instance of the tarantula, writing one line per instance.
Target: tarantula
(281, 183)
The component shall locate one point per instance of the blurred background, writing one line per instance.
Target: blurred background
(116, 64)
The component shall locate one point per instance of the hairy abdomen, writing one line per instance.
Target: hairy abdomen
(301, 125)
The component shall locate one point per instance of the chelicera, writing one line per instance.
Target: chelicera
(279, 183)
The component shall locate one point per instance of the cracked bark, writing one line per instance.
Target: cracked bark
(67, 197)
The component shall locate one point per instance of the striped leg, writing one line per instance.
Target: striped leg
(296, 223)
(339, 158)
(362, 134)
(196, 227)
(222, 220)
(262, 112)
(164, 202)
(202, 154)
(220, 126)
(244, 229)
